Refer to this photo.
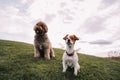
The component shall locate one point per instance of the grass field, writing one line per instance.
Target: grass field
(17, 63)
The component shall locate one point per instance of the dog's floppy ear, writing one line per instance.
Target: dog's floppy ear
(45, 27)
(35, 28)
(75, 37)
(37, 24)
(65, 37)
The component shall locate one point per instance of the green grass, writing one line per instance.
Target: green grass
(17, 63)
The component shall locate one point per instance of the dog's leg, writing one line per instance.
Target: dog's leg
(64, 66)
(52, 54)
(36, 52)
(47, 53)
(75, 69)
(78, 67)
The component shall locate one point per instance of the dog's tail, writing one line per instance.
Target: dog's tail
(77, 50)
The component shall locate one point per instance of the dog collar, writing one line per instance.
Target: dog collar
(70, 54)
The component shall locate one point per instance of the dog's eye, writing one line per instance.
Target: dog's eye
(66, 38)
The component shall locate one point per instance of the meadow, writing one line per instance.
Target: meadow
(17, 63)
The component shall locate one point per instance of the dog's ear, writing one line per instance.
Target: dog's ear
(45, 27)
(35, 28)
(65, 37)
(75, 37)
(37, 24)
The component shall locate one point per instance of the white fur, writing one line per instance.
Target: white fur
(71, 61)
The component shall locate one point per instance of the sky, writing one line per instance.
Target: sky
(95, 22)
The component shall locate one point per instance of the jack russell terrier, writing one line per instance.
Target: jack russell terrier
(70, 58)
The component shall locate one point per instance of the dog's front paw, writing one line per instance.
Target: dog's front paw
(53, 56)
(75, 73)
(64, 70)
(36, 55)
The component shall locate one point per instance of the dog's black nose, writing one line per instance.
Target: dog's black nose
(68, 40)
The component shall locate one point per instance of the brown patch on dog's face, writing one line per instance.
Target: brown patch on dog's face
(65, 37)
(73, 38)
(40, 28)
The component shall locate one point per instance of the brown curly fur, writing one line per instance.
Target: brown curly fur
(42, 44)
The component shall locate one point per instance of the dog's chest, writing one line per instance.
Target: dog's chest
(43, 45)
(69, 61)
(40, 47)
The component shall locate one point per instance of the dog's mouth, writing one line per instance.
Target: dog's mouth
(69, 43)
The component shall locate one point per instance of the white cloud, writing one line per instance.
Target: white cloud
(40, 8)
(14, 23)
(24, 1)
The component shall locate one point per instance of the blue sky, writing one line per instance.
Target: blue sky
(95, 22)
